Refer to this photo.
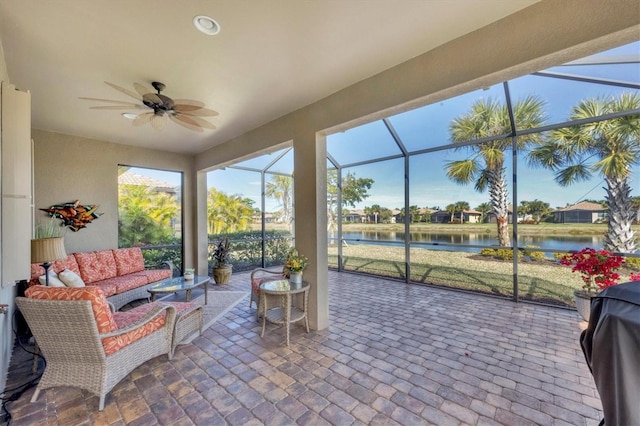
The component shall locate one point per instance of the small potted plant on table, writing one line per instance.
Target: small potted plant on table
(189, 274)
(599, 271)
(221, 270)
(295, 264)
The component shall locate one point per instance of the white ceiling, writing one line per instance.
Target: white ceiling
(271, 57)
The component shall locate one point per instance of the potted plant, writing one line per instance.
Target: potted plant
(295, 264)
(599, 271)
(189, 274)
(221, 270)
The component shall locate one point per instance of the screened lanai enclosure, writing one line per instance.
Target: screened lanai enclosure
(472, 192)
(251, 203)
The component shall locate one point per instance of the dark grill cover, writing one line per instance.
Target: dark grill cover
(611, 346)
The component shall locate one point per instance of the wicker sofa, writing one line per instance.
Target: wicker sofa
(120, 273)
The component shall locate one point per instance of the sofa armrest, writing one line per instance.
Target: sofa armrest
(155, 311)
(166, 264)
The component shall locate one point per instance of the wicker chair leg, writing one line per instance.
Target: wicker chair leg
(101, 404)
(34, 398)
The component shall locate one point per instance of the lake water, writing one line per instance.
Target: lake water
(547, 242)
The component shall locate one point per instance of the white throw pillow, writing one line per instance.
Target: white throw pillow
(54, 281)
(71, 279)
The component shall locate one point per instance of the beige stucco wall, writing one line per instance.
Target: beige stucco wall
(548, 33)
(69, 168)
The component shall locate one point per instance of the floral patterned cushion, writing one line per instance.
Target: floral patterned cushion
(128, 260)
(105, 320)
(125, 319)
(153, 275)
(57, 267)
(108, 287)
(122, 284)
(99, 305)
(96, 265)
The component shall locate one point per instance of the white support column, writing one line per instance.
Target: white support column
(310, 189)
(200, 229)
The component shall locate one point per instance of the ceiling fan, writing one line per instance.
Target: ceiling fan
(185, 112)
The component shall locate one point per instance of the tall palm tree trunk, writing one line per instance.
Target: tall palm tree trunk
(498, 195)
(620, 236)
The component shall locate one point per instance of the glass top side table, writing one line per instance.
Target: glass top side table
(283, 313)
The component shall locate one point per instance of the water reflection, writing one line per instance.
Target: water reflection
(548, 242)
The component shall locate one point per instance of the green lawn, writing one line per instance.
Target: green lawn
(546, 282)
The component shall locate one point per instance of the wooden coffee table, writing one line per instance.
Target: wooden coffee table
(175, 285)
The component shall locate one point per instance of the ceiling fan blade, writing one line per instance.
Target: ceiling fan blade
(125, 91)
(141, 89)
(193, 111)
(197, 121)
(185, 123)
(143, 118)
(189, 103)
(152, 99)
(158, 122)
(109, 101)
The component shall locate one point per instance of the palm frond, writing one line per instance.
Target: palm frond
(483, 181)
(572, 174)
(462, 171)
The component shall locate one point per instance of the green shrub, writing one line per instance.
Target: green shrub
(633, 262)
(504, 254)
(489, 252)
(533, 255)
(246, 248)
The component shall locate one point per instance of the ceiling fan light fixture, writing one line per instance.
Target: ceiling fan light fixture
(206, 25)
(130, 115)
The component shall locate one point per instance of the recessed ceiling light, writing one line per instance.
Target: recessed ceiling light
(206, 25)
(129, 115)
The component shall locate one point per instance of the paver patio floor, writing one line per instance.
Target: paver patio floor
(393, 354)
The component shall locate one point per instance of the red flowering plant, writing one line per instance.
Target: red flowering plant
(598, 268)
(635, 277)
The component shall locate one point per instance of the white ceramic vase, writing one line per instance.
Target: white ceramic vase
(188, 277)
(295, 278)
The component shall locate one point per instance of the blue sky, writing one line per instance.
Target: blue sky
(427, 127)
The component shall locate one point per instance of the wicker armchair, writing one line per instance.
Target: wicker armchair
(77, 354)
(258, 276)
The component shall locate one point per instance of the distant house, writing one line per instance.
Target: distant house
(355, 216)
(491, 216)
(468, 216)
(130, 178)
(396, 216)
(268, 218)
(582, 212)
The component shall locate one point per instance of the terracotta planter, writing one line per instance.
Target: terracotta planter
(583, 303)
(222, 275)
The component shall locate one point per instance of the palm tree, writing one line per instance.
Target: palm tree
(373, 210)
(485, 165)
(609, 148)
(484, 208)
(227, 213)
(145, 216)
(451, 210)
(537, 208)
(280, 189)
(461, 206)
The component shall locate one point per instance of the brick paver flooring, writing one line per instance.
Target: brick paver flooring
(393, 354)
